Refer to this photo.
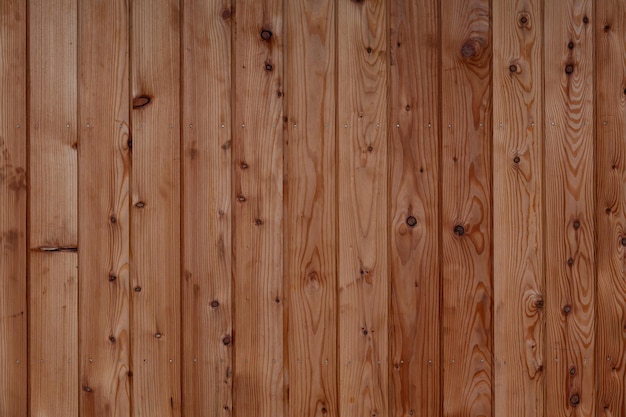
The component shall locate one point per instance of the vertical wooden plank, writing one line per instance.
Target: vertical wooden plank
(466, 208)
(13, 330)
(207, 251)
(311, 206)
(415, 216)
(53, 351)
(104, 175)
(518, 208)
(155, 212)
(570, 208)
(257, 226)
(363, 261)
(610, 41)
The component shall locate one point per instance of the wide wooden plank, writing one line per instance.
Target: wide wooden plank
(103, 208)
(13, 308)
(570, 209)
(518, 209)
(415, 216)
(610, 157)
(258, 214)
(155, 212)
(311, 209)
(466, 208)
(53, 332)
(207, 209)
(363, 253)
(53, 225)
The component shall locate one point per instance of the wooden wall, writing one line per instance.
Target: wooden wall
(322, 208)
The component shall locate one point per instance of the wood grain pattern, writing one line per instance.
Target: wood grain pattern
(103, 208)
(13, 260)
(610, 159)
(414, 234)
(53, 195)
(570, 209)
(518, 209)
(466, 209)
(259, 387)
(207, 250)
(363, 253)
(310, 206)
(155, 212)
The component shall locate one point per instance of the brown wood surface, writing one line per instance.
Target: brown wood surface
(466, 211)
(53, 197)
(259, 295)
(415, 217)
(610, 158)
(363, 252)
(207, 210)
(155, 212)
(570, 209)
(311, 207)
(103, 208)
(13, 261)
(519, 283)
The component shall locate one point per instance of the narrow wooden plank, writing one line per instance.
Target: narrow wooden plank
(155, 212)
(259, 388)
(466, 208)
(363, 254)
(104, 173)
(207, 250)
(518, 208)
(415, 216)
(570, 209)
(610, 41)
(311, 206)
(53, 350)
(13, 308)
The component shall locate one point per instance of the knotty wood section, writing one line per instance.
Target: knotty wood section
(259, 386)
(53, 225)
(155, 212)
(103, 208)
(610, 157)
(207, 209)
(311, 206)
(363, 254)
(466, 208)
(13, 308)
(518, 209)
(415, 220)
(570, 209)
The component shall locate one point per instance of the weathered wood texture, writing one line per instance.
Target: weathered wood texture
(325, 208)
(518, 204)
(13, 261)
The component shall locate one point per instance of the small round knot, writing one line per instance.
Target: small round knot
(411, 221)
(576, 224)
(572, 371)
(137, 289)
(266, 35)
(215, 304)
(570, 45)
(517, 159)
(574, 400)
(624, 241)
(569, 68)
(227, 340)
(567, 309)
(513, 68)
(468, 50)
(459, 230)
(140, 204)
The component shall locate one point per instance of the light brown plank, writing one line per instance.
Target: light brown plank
(570, 209)
(103, 208)
(518, 208)
(415, 216)
(155, 212)
(53, 333)
(363, 254)
(258, 215)
(311, 206)
(610, 41)
(13, 261)
(466, 208)
(53, 347)
(207, 250)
